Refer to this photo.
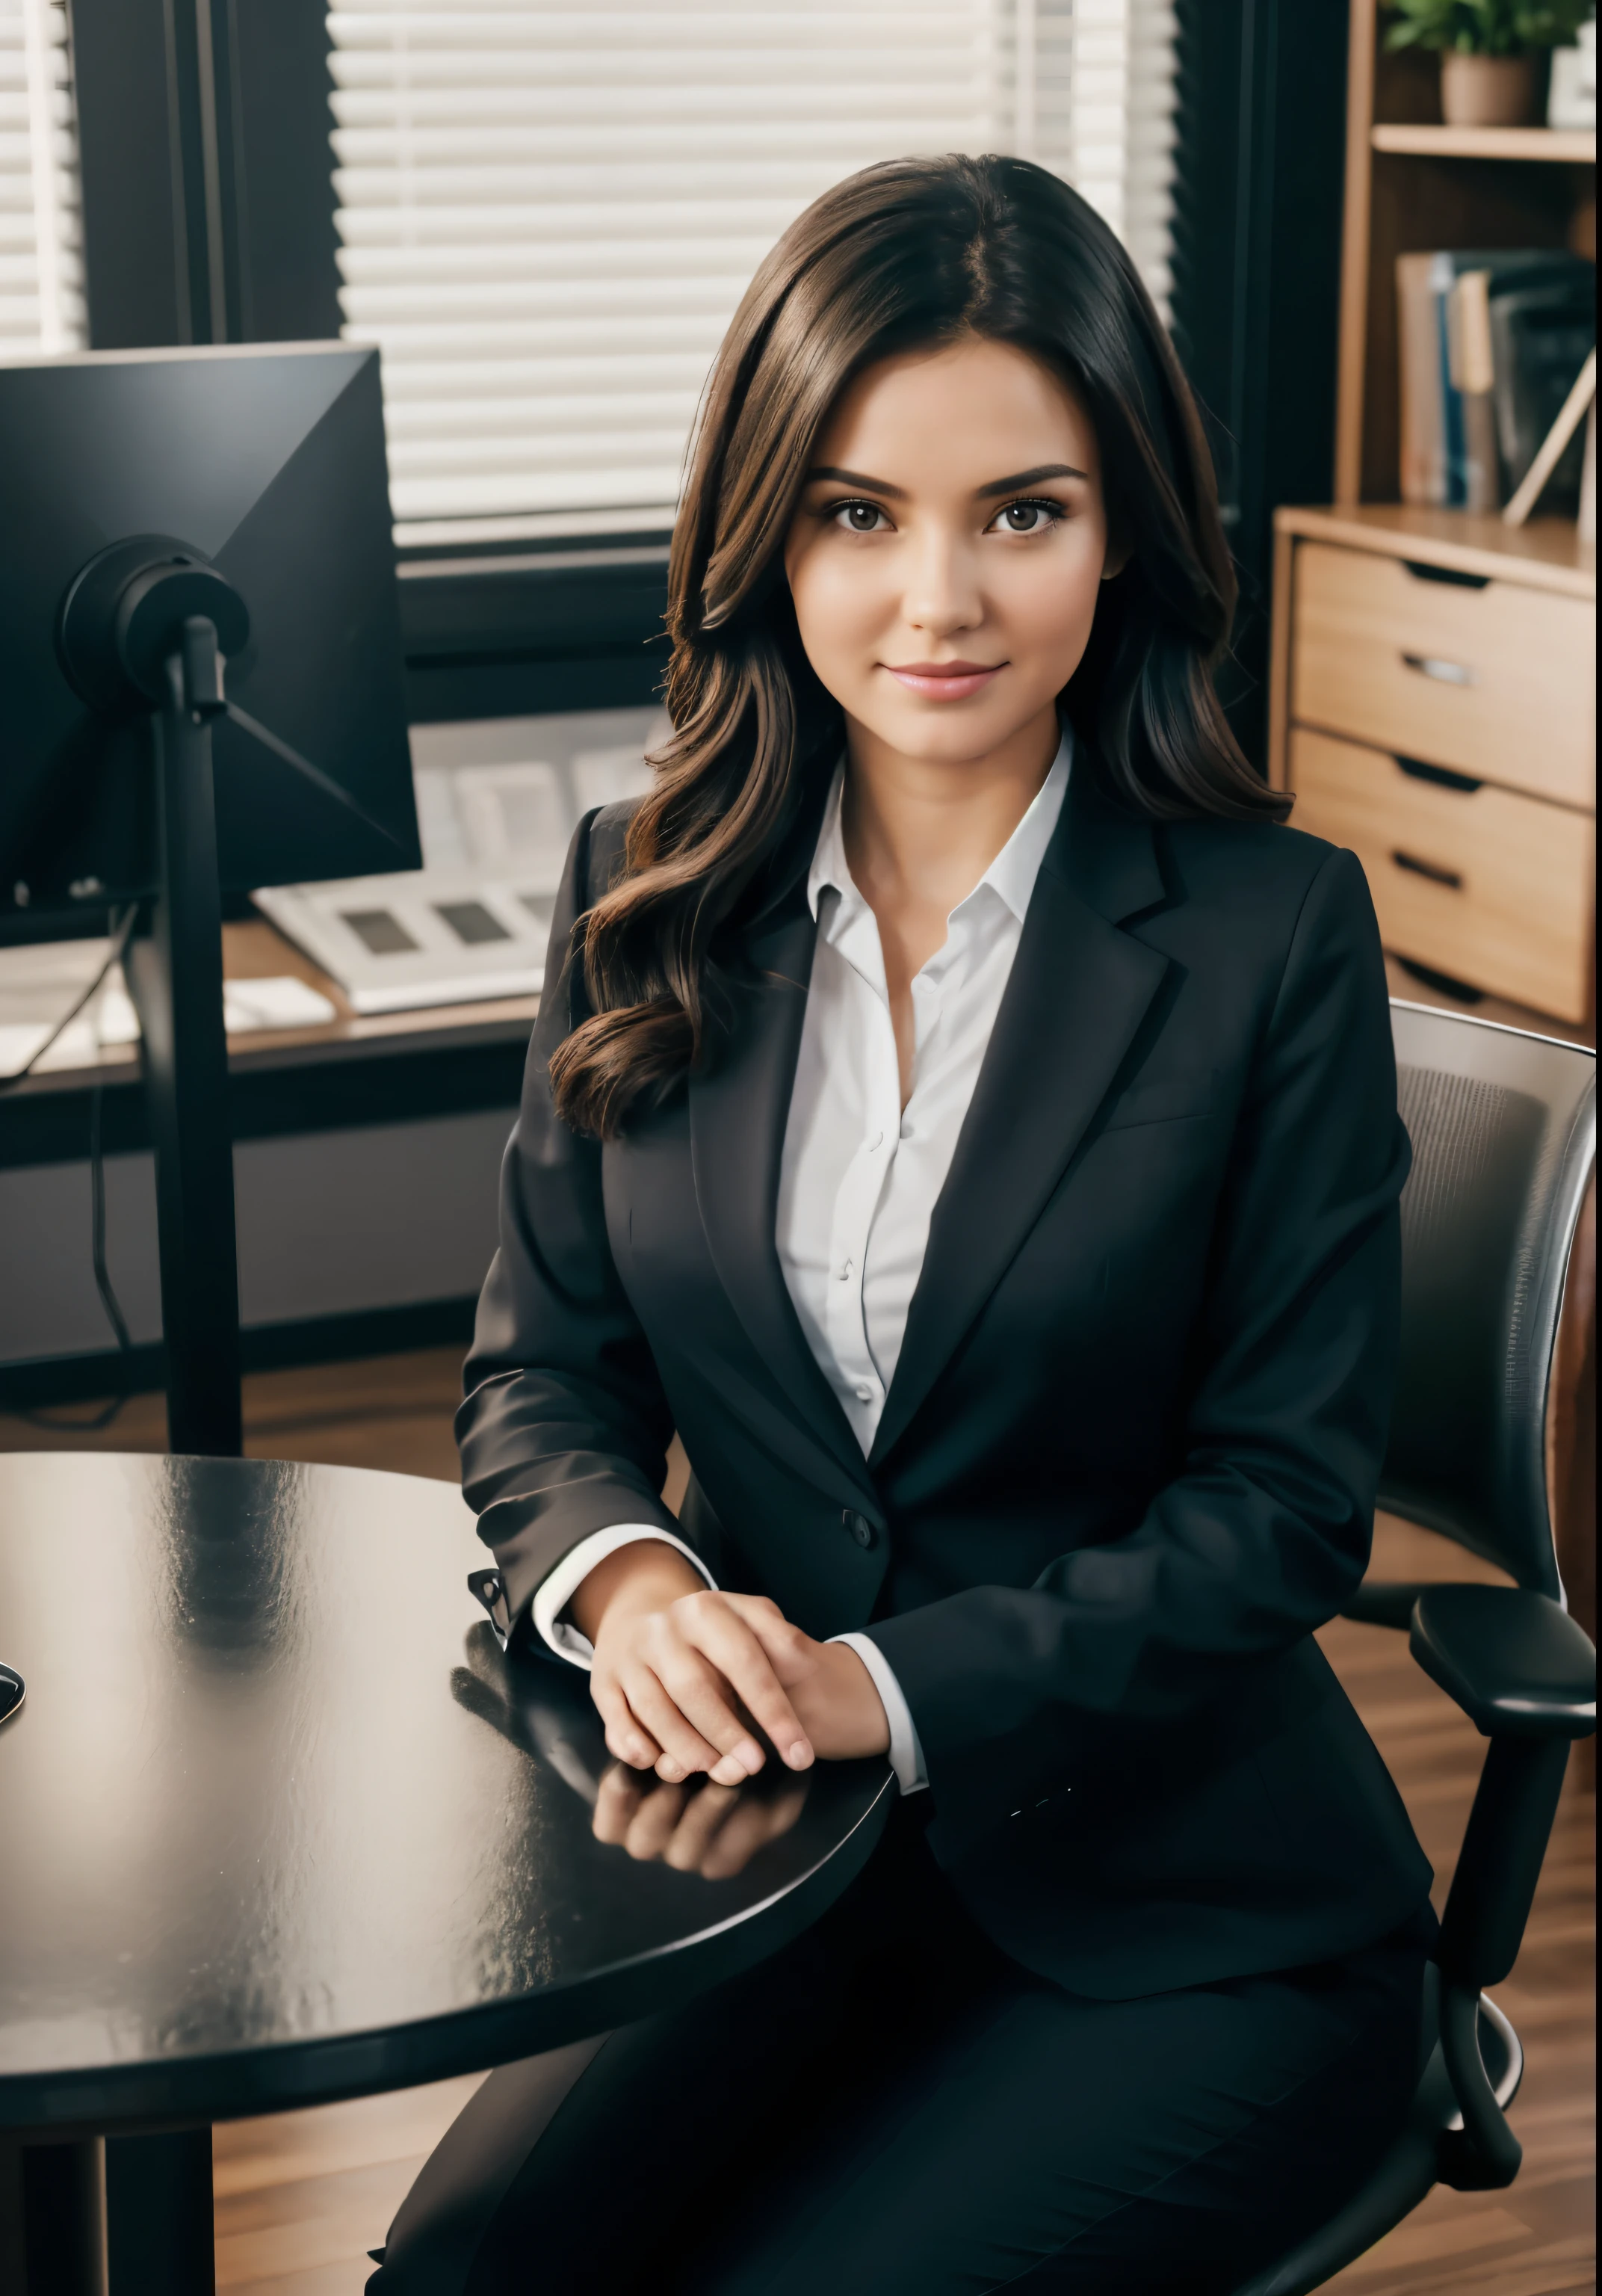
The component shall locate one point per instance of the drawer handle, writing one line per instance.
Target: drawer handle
(1444, 673)
(1428, 869)
(1443, 776)
(1453, 575)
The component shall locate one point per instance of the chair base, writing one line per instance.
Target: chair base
(1428, 2151)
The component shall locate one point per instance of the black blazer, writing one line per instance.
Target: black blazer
(1127, 1463)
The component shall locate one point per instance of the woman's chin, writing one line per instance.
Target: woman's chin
(944, 733)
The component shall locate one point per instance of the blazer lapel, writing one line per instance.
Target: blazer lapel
(1077, 994)
(737, 1114)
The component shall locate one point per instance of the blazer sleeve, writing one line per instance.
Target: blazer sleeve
(1265, 1531)
(564, 1428)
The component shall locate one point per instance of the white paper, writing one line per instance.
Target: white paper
(281, 1001)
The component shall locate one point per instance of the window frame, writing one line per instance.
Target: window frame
(209, 208)
(1256, 280)
(208, 178)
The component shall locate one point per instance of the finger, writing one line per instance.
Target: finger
(736, 1843)
(617, 1799)
(756, 1822)
(792, 1654)
(698, 1830)
(704, 1699)
(655, 1822)
(684, 1750)
(624, 1737)
(730, 1640)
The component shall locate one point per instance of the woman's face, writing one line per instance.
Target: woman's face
(948, 549)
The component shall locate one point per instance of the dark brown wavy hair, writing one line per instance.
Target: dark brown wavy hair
(910, 255)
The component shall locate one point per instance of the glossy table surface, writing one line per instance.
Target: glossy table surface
(279, 1824)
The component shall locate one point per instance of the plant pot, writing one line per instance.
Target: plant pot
(1486, 91)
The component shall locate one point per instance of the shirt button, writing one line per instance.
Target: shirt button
(843, 1273)
(861, 1529)
(878, 1141)
(864, 1393)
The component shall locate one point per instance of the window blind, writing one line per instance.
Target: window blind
(547, 214)
(41, 240)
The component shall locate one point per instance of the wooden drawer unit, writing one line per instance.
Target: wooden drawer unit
(1487, 886)
(1492, 677)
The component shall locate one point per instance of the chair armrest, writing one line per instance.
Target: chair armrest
(1384, 1602)
(1517, 1664)
(1486, 2156)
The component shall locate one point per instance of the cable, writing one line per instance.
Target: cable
(120, 935)
(108, 1301)
(97, 1205)
(97, 1227)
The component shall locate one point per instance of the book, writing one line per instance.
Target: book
(1423, 433)
(1540, 336)
(1466, 313)
(1470, 377)
(1563, 433)
(1443, 278)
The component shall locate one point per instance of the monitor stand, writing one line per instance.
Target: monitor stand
(176, 980)
(145, 626)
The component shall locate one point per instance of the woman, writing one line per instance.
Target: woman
(967, 1117)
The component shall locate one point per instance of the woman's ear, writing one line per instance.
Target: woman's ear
(1118, 556)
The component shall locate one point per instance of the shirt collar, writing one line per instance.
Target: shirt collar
(1012, 874)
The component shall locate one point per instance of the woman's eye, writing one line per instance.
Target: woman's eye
(859, 517)
(1027, 517)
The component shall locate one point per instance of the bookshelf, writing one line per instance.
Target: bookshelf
(1414, 183)
(1430, 140)
(1432, 691)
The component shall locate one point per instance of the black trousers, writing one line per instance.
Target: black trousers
(890, 2107)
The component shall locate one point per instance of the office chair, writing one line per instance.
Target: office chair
(1503, 1132)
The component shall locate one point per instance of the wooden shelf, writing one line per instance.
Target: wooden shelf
(1342, 606)
(1545, 554)
(1436, 143)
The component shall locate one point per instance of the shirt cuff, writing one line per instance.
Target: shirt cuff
(554, 1594)
(906, 1755)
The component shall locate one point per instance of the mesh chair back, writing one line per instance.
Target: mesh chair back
(1503, 1132)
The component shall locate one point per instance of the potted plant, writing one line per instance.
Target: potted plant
(1488, 51)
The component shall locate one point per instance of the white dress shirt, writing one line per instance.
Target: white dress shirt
(860, 1174)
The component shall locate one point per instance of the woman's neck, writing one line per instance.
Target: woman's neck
(920, 834)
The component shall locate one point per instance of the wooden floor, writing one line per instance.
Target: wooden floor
(302, 2197)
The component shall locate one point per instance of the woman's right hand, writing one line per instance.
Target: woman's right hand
(676, 1661)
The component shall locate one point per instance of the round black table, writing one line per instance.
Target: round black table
(279, 1824)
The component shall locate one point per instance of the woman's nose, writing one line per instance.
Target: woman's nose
(943, 593)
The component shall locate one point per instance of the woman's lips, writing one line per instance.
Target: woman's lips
(944, 681)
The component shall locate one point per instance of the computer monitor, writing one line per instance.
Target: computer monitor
(269, 460)
(200, 690)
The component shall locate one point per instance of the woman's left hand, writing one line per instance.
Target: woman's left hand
(832, 1693)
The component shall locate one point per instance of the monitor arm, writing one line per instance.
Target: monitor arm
(146, 625)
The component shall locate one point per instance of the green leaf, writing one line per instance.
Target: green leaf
(1485, 27)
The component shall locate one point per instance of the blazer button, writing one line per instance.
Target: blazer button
(861, 1529)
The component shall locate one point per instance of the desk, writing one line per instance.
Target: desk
(280, 1824)
(367, 1161)
(255, 950)
(365, 1180)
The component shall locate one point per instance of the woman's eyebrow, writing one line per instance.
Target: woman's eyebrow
(856, 478)
(1034, 477)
